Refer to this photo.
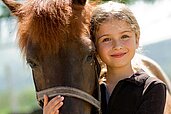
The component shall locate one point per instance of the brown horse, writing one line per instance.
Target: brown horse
(54, 37)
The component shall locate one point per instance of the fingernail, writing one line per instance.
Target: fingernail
(62, 98)
(59, 96)
(61, 103)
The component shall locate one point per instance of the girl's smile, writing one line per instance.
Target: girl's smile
(118, 55)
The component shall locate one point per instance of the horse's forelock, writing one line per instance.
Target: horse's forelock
(50, 22)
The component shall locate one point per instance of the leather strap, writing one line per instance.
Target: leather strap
(68, 91)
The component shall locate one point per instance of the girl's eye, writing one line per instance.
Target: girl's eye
(106, 40)
(125, 37)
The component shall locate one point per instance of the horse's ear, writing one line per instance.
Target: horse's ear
(81, 2)
(12, 5)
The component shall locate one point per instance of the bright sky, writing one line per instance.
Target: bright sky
(154, 20)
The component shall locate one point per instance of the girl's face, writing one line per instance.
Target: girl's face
(116, 43)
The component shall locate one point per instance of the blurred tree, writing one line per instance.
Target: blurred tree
(4, 11)
(128, 1)
(122, 1)
(150, 1)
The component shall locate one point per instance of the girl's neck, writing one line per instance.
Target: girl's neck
(114, 75)
(119, 74)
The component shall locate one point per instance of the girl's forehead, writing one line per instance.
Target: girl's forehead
(116, 24)
(113, 27)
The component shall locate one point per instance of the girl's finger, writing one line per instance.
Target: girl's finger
(55, 101)
(57, 112)
(58, 106)
(52, 107)
(45, 100)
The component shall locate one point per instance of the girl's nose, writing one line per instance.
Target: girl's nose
(117, 45)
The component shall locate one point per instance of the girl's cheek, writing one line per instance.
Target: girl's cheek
(128, 42)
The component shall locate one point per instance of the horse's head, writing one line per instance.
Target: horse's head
(54, 37)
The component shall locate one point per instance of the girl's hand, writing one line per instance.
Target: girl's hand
(53, 106)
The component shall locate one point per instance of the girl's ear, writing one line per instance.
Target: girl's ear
(137, 42)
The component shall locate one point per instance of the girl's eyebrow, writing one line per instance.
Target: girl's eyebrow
(110, 34)
(103, 36)
(126, 31)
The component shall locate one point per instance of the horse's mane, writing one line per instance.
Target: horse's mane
(49, 23)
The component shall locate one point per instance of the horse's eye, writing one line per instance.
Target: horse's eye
(32, 64)
(90, 57)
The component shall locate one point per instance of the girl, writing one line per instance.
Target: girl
(116, 33)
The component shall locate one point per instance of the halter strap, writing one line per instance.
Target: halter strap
(68, 91)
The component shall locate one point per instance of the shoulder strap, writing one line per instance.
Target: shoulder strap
(148, 81)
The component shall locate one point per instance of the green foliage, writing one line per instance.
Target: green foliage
(4, 105)
(128, 1)
(123, 1)
(149, 1)
(26, 101)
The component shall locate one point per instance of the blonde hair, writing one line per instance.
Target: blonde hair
(112, 10)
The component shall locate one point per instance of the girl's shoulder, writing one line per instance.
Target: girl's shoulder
(149, 81)
(152, 81)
